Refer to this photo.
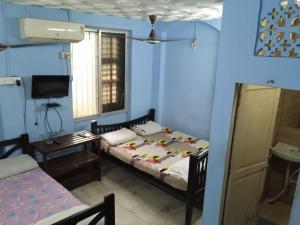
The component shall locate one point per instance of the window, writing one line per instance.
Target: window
(99, 73)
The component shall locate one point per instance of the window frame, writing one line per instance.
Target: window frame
(101, 114)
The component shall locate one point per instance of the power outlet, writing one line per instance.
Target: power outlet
(10, 81)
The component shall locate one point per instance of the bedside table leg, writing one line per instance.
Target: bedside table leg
(99, 170)
(85, 148)
(45, 164)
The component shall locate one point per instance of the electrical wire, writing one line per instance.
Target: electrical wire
(24, 105)
(36, 113)
(7, 58)
(47, 124)
(60, 118)
(35, 130)
(46, 120)
(25, 108)
(66, 60)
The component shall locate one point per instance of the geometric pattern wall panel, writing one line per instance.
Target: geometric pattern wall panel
(279, 29)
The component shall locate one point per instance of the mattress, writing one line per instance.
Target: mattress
(154, 154)
(31, 196)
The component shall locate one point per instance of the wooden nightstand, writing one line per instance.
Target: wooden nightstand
(71, 169)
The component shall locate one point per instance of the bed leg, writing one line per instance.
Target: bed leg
(109, 210)
(190, 195)
(100, 161)
(97, 150)
(189, 206)
(99, 170)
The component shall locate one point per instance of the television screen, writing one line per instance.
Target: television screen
(49, 86)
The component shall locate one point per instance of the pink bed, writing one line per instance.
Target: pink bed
(31, 196)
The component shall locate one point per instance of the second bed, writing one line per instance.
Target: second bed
(172, 160)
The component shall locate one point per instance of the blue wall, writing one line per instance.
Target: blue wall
(45, 60)
(162, 76)
(237, 63)
(159, 56)
(189, 78)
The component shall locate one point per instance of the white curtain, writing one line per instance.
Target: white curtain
(85, 69)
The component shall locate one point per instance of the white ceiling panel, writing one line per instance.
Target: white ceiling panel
(166, 10)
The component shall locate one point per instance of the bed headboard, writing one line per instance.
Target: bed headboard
(101, 129)
(15, 144)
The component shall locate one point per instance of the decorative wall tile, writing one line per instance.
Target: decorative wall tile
(279, 29)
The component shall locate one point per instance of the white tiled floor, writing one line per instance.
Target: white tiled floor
(137, 202)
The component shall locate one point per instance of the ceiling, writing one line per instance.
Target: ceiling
(166, 10)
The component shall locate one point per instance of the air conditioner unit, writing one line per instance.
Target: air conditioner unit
(50, 31)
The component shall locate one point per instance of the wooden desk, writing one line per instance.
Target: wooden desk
(71, 169)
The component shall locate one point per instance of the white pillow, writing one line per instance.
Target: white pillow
(119, 136)
(147, 129)
(180, 168)
(15, 165)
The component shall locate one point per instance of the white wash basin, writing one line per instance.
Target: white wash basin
(287, 152)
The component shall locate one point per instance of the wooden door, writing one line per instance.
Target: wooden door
(252, 136)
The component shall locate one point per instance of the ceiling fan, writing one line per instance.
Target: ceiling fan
(152, 38)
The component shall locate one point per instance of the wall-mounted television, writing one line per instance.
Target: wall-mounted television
(50, 86)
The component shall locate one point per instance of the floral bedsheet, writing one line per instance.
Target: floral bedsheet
(155, 153)
(29, 197)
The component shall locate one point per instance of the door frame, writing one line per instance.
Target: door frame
(238, 88)
(236, 103)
